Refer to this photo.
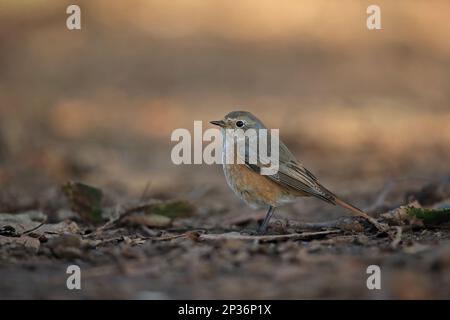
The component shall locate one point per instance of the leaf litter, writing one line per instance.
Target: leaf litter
(166, 241)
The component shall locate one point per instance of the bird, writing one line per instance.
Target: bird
(291, 181)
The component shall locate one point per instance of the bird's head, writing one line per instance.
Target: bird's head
(239, 120)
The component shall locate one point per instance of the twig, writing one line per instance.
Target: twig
(390, 185)
(266, 238)
(379, 202)
(121, 216)
(146, 189)
(194, 234)
(344, 223)
(35, 228)
(381, 227)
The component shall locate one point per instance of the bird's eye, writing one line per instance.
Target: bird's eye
(239, 123)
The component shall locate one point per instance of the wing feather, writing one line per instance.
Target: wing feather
(294, 175)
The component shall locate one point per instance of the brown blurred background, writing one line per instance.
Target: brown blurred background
(98, 105)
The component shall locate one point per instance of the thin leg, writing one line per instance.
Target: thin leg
(263, 227)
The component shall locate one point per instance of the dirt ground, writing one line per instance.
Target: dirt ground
(200, 243)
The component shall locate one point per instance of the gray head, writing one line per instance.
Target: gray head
(239, 120)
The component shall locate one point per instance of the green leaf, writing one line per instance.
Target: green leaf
(430, 216)
(173, 209)
(85, 200)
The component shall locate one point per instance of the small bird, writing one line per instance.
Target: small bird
(291, 181)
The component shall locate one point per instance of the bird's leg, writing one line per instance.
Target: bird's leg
(263, 227)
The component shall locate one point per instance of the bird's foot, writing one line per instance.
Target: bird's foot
(261, 230)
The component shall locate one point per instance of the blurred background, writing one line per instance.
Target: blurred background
(359, 108)
(99, 104)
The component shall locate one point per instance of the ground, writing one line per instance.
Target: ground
(202, 245)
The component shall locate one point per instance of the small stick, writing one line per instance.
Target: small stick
(121, 216)
(335, 224)
(35, 228)
(387, 188)
(266, 238)
(195, 234)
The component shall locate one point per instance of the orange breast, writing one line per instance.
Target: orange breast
(255, 189)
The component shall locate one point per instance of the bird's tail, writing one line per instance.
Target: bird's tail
(344, 204)
(356, 211)
(349, 206)
(329, 196)
(359, 212)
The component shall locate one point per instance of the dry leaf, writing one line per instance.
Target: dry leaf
(85, 200)
(150, 220)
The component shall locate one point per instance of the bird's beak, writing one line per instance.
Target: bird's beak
(219, 123)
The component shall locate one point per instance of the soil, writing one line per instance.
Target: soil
(201, 244)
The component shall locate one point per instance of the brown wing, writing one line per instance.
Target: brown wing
(292, 174)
